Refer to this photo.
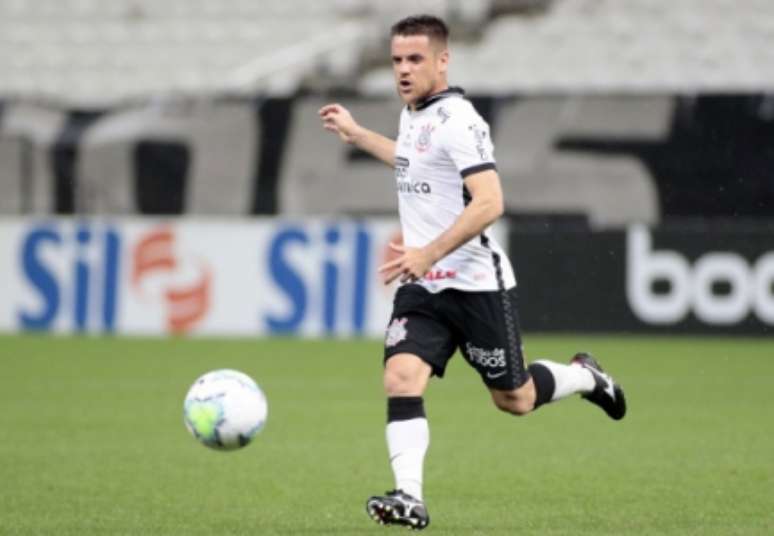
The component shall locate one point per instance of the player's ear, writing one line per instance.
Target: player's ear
(443, 60)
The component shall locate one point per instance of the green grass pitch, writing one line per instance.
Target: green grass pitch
(92, 442)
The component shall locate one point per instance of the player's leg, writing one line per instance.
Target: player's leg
(408, 437)
(417, 346)
(550, 381)
(545, 381)
(408, 434)
(493, 347)
(489, 328)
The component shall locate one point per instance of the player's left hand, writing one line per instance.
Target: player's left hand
(411, 264)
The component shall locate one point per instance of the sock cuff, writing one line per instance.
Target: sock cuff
(545, 384)
(403, 408)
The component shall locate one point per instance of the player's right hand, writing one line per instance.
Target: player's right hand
(337, 119)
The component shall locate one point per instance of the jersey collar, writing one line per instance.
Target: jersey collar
(435, 97)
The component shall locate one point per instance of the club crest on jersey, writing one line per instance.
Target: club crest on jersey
(396, 332)
(423, 141)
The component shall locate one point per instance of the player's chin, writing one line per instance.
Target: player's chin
(407, 99)
(407, 95)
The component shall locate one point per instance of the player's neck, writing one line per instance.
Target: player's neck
(435, 91)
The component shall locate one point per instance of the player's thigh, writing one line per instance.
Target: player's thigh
(491, 338)
(418, 330)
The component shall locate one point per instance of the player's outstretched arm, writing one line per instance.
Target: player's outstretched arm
(337, 119)
(485, 207)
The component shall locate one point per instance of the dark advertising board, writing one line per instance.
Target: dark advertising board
(716, 279)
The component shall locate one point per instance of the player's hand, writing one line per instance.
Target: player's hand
(337, 119)
(411, 264)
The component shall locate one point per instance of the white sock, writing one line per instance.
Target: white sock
(569, 379)
(407, 442)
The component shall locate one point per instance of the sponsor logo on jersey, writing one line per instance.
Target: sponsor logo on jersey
(416, 187)
(401, 167)
(480, 134)
(423, 141)
(396, 332)
(485, 357)
(444, 114)
(436, 275)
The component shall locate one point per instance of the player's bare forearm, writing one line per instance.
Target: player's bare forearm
(338, 120)
(381, 147)
(485, 207)
(477, 216)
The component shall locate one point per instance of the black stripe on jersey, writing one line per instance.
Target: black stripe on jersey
(477, 168)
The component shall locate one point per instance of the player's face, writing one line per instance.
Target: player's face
(419, 66)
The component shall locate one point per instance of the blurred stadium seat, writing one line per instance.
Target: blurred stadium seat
(130, 57)
(90, 53)
(608, 45)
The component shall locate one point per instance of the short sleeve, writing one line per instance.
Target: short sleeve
(467, 141)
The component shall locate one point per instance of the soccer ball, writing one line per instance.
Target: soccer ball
(224, 409)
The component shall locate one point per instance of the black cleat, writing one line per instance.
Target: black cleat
(398, 508)
(607, 394)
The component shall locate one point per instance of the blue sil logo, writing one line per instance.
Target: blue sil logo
(85, 292)
(340, 284)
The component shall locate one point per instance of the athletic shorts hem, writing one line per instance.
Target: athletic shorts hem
(414, 349)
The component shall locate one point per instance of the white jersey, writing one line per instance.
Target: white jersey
(439, 144)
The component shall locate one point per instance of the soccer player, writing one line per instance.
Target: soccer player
(458, 290)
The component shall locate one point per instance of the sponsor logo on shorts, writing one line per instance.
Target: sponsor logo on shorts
(396, 332)
(485, 357)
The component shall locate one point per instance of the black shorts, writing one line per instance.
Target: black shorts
(483, 325)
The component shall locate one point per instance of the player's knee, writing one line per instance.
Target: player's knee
(406, 375)
(513, 403)
(514, 407)
(501, 404)
(522, 407)
(398, 382)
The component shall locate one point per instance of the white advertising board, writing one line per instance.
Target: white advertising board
(211, 277)
(309, 277)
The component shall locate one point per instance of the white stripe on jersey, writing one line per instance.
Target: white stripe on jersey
(439, 144)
